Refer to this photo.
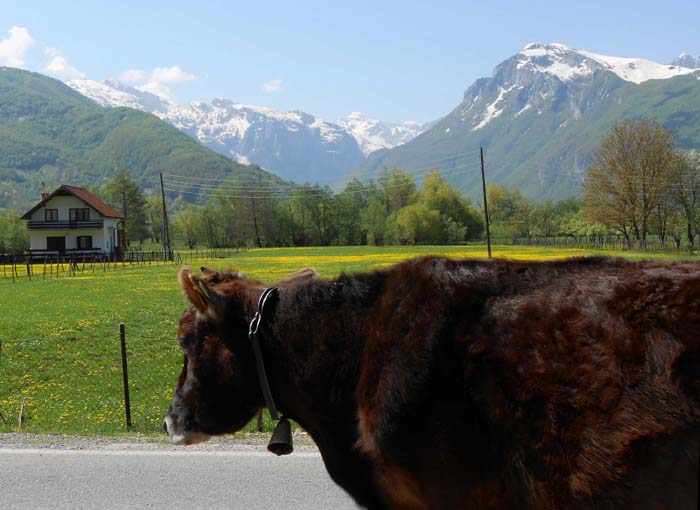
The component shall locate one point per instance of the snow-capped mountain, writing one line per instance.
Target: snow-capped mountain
(540, 73)
(685, 60)
(295, 145)
(541, 114)
(568, 63)
(114, 94)
(372, 134)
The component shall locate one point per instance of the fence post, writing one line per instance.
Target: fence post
(259, 425)
(1, 416)
(125, 376)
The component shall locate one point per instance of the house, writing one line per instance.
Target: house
(72, 221)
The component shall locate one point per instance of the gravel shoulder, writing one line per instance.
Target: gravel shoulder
(238, 442)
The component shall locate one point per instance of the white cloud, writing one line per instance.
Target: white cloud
(13, 48)
(58, 67)
(51, 52)
(272, 86)
(159, 89)
(133, 76)
(157, 82)
(173, 74)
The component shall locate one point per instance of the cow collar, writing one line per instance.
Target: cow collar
(281, 440)
(257, 354)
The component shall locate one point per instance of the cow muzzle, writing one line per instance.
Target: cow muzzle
(181, 435)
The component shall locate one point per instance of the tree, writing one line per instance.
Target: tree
(186, 225)
(214, 226)
(629, 178)
(124, 195)
(14, 236)
(154, 207)
(685, 192)
(350, 203)
(415, 224)
(510, 213)
(398, 188)
(258, 203)
(374, 220)
(317, 204)
(456, 214)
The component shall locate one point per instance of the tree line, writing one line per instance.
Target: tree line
(640, 185)
(390, 210)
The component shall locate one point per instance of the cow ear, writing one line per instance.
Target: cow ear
(301, 277)
(205, 299)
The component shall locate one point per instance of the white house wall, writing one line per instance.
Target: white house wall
(37, 238)
(104, 238)
(64, 203)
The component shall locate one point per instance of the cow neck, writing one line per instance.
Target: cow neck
(257, 353)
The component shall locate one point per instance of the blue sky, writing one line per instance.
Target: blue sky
(393, 60)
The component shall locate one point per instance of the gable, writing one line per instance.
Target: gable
(82, 195)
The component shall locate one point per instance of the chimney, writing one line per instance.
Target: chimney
(44, 194)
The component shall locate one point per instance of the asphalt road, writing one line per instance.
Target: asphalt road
(97, 479)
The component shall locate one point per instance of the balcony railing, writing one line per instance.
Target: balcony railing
(64, 225)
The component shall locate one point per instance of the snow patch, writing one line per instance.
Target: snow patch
(103, 94)
(637, 70)
(523, 110)
(492, 111)
(568, 64)
(372, 134)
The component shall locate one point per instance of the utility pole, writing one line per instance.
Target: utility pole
(486, 207)
(167, 249)
(124, 218)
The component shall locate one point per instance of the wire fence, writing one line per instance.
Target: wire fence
(595, 242)
(54, 265)
(64, 375)
(74, 384)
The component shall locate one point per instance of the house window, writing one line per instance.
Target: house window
(79, 214)
(85, 242)
(50, 214)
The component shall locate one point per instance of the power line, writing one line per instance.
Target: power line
(257, 180)
(236, 186)
(284, 188)
(236, 192)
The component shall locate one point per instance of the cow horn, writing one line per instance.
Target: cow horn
(281, 442)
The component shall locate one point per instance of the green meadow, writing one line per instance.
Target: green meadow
(61, 353)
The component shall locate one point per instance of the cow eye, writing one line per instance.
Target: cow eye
(188, 341)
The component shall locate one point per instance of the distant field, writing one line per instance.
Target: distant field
(60, 344)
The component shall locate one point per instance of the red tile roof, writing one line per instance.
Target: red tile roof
(83, 195)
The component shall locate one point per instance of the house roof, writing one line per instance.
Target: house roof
(80, 193)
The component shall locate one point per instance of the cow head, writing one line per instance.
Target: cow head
(218, 390)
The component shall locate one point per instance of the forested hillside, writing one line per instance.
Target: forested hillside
(49, 133)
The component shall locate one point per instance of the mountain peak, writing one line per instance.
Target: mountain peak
(568, 63)
(113, 93)
(372, 134)
(687, 60)
(539, 46)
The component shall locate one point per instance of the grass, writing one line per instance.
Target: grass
(60, 336)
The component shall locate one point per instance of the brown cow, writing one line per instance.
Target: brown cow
(450, 384)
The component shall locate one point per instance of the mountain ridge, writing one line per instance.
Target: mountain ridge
(540, 115)
(49, 133)
(295, 144)
(686, 60)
